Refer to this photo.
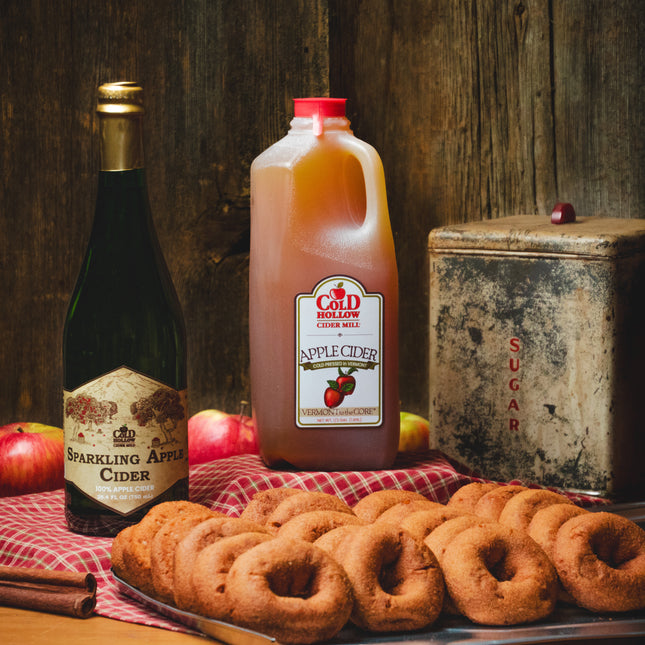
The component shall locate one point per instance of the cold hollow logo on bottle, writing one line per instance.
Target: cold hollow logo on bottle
(339, 347)
(125, 439)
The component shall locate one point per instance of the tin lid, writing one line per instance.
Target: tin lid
(535, 234)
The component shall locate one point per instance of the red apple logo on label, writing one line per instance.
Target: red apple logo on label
(333, 396)
(346, 382)
(337, 292)
(343, 386)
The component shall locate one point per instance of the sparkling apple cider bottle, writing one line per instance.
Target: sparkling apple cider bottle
(323, 298)
(124, 346)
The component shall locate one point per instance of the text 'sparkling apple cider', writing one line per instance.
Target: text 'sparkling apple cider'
(323, 298)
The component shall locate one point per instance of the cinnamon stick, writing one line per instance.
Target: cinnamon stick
(59, 592)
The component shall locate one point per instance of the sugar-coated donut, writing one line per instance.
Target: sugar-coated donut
(396, 581)
(544, 529)
(302, 503)
(499, 576)
(264, 502)
(162, 550)
(520, 509)
(600, 558)
(120, 545)
(546, 523)
(289, 589)
(467, 496)
(439, 539)
(371, 506)
(211, 572)
(397, 513)
(491, 504)
(334, 541)
(421, 523)
(311, 525)
(137, 557)
(193, 543)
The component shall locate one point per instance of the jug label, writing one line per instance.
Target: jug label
(125, 439)
(339, 355)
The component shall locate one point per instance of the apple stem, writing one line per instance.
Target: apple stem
(243, 405)
(20, 430)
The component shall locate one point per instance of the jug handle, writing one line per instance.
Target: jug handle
(374, 178)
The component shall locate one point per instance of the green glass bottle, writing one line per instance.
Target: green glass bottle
(124, 346)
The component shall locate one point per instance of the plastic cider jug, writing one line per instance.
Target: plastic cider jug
(323, 298)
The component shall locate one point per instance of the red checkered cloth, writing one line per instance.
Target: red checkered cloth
(33, 532)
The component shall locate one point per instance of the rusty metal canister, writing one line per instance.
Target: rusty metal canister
(537, 351)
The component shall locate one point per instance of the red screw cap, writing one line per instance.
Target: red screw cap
(317, 109)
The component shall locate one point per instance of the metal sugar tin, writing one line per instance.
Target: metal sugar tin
(537, 350)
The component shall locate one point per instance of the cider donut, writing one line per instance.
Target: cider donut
(120, 544)
(439, 539)
(397, 513)
(520, 509)
(600, 558)
(544, 529)
(137, 556)
(491, 504)
(396, 581)
(499, 576)
(311, 525)
(193, 543)
(211, 569)
(546, 523)
(162, 550)
(467, 496)
(302, 503)
(371, 506)
(334, 541)
(289, 589)
(421, 523)
(264, 502)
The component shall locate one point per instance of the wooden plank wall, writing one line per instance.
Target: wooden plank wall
(479, 108)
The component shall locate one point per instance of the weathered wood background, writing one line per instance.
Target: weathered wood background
(479, 109)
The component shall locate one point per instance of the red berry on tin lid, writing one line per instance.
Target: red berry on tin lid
(563, 213)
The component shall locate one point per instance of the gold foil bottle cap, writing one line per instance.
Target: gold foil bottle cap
(120, 111)
(121, 98)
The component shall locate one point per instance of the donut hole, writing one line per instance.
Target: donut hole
(605, 552)
(501, 571)
(499, 564)
(296, 582)
(612, 550)
(390, 578)
(393, 573)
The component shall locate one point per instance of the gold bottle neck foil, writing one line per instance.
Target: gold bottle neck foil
(120, 110)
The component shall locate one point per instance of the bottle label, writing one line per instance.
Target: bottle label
(339, 350)
(126, 439)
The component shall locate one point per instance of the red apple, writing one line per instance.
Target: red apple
(31, 458)
(415, 433)
(247, 439)
(213, 434)
(338, 293)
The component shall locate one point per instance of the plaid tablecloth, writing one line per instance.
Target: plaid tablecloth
(33, 531)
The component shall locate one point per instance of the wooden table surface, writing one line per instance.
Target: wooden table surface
(22, 627)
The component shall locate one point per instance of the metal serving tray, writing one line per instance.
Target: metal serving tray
(565, 624)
